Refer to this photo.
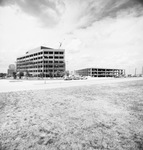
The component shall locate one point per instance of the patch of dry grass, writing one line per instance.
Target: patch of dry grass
(104, 116)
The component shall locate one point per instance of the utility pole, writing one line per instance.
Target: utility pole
(67, 65)
(43, 65)
(135, 71)
(53, 63)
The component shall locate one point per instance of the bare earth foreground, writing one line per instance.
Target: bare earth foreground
(72, 115)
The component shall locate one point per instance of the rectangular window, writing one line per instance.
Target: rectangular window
(45, 52)
(61, 66)
(45, 56)
(61, 70)
(45, 62)
(50, 52)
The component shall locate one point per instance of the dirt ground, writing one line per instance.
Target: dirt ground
(105, 116)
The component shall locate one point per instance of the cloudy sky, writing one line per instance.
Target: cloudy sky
(94, 33)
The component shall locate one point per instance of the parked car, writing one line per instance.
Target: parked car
(67, 78)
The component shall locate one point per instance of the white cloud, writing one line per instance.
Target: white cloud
(111, 43)
(94, 33)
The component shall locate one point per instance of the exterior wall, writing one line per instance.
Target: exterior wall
(42, 61)
(10, 72)
(11, 69)
(101, 72)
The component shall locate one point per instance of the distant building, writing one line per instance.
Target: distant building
(100, 72)
(11, 69)
(42, 61)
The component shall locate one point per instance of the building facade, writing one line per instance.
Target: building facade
(42, 61)
(11, 70)
(100, 72)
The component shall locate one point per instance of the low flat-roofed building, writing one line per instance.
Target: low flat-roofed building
(100, 72)
(42, 61)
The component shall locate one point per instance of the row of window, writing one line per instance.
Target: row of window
(30, 55)
(55, 57)
(107, 70)
(95, 71)
(46, 62)
(40, 54)
(53, 53)
(45, 71)
(40, 66)
(46, 57)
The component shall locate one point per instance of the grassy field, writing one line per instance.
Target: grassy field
(96, 117)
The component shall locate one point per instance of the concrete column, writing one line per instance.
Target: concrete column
(97, 72)
(91, 72)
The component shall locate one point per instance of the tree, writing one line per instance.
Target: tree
(2, 75)
(50, 74)
(62, 73)
(67, 73)
(27, 74)
(14, 75)
(20, 74)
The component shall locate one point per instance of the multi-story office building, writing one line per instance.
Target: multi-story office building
(100, 72)
(42, 61)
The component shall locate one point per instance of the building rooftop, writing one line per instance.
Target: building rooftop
(99, 68)
(40, 48)
(37, 49)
